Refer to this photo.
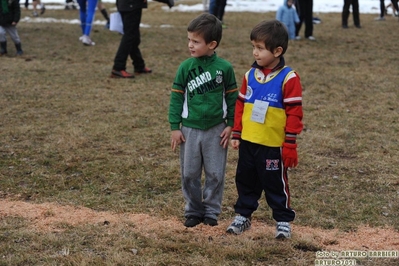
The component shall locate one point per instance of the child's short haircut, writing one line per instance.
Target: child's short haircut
(273, 33)
(208, 26)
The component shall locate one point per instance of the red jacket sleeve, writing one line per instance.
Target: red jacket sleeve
(293, 107)
(239, 109)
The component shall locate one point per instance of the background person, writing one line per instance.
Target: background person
(87, 9)
(10, 14)
(218, 8)
(70, 4)
(355, 13)
(288, 15)
(104, 12)
(305, 13)
(36, 3)
(394, 4)
(131, 11)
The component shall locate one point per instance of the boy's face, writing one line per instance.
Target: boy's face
(264, 57)
(198, 47)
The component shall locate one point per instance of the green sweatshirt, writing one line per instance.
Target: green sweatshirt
(204, 93)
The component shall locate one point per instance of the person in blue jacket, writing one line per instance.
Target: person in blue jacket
(288, 15)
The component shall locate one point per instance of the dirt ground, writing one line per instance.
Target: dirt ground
(49, 216)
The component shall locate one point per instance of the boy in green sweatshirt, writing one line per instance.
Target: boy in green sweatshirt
(201, 115)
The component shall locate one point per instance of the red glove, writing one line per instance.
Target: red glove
(290, 156)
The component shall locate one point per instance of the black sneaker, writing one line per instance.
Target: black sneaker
(170, 3)
(192, 221)
(210, 221)
(239, 225)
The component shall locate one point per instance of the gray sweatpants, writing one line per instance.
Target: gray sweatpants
(12, 31)
(202, 150)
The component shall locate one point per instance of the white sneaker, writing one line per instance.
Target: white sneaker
(311, 38)
(283, 230)
(379, 18)
(87, 41)
(297, 37)
(239, 225)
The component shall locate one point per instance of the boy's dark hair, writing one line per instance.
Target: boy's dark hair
(273, 33)
(208, 26)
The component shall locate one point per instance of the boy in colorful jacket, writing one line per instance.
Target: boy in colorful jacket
(268, 117)
(10, 13)
(201, 115)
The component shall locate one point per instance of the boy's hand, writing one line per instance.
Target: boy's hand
(290, 155)
(235, 143)
(225, 137)
(177, 139)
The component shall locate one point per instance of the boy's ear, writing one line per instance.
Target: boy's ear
(278, 51)
(212, 45)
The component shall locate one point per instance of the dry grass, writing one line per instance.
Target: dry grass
(71, 135)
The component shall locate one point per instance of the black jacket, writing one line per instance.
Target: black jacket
(13, 14)
(129, 5)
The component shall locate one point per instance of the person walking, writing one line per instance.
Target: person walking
(87, 9)
(131, 11)
(70, 4)
(394, 4)
(355, 13)
(305, 13)
(36, 3)
(104, 12)
(218, 9)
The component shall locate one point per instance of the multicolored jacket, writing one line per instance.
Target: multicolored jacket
(203, 94)
(280, 91)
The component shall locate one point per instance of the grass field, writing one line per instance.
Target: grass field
(73, 138)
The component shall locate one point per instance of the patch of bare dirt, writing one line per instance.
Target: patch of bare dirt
(50, 217)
